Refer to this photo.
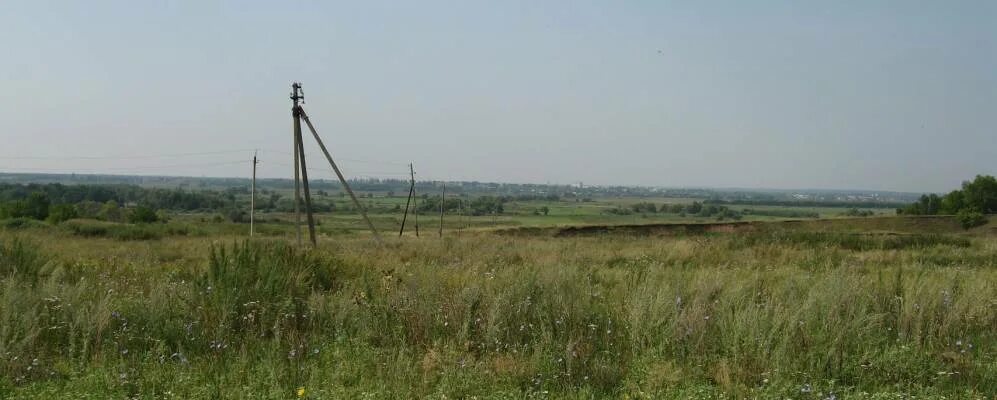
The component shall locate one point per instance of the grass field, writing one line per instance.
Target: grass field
(810, 310)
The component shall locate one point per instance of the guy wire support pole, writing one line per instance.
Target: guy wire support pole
(342, 179)
(304, 176)
(295, 113)
(411, 188)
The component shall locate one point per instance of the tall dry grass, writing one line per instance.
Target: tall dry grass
(769, 315)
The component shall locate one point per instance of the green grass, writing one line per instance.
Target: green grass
(769, 314)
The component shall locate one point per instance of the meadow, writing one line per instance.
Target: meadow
(850, 308)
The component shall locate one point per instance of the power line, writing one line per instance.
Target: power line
(126, 168)
(125, 157)
(346, 159)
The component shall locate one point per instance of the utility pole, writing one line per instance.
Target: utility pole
(411, 192)
(304, 181)
(295, 114)
(252, 198)
(443, 203)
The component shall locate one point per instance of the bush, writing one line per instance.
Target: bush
(20, 223)
(855, 212)
(142, 215)
(118, 231)
(61, 212)
(236, 215)
(970, 218)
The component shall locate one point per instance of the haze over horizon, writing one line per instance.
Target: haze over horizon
(897, 95)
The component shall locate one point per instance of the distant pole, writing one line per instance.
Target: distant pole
(295, 113)
(411, 190)
(460, 215)
(252, 198)
(443, 203)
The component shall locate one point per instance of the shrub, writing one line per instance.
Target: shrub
(970, 218)
(61, 212)
(117, 231)
(20, 223)
(142, 215)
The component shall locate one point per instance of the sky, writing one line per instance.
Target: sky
(879, 95)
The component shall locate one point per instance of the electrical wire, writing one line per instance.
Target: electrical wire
(128, 168)
(125, 157)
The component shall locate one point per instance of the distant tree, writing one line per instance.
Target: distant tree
(694, 208)
(952, 202)
(36, 206)
(61, 212)
(981, 194)
(142, 215)
(644, 207)
(855, 212)
(235, 215)
(545, 210)
(88, 209)
(110, 211)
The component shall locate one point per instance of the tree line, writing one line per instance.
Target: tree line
(970, 204)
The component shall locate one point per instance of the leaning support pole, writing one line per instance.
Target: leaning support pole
(339, 174)
(304, 180)
(411, 191)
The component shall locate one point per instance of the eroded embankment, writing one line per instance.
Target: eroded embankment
(905, 224)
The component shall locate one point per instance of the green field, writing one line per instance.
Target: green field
(844, 308)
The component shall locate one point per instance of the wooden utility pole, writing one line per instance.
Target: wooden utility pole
(411, 192)
(304, 182)
(443, 203)
(295, 114)
(339, 174)
(252, 198)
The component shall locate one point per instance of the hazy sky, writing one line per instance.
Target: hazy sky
(896, 95)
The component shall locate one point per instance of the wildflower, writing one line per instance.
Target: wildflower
(300, 392)
(806, 388)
